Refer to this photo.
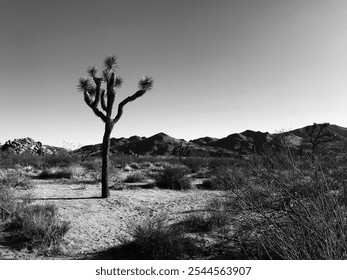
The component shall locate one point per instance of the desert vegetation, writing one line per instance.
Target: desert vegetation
(280, 203)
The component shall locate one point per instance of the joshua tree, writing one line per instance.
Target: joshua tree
(102, 90)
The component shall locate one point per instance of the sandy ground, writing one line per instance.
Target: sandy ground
(99, 224)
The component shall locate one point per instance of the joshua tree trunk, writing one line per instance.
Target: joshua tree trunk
(95, 95)
(105, 192)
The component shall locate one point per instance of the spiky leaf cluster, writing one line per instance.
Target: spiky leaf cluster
(118, 82)
(84, 84)
(110, 62)
(92, 71)
(146, 83)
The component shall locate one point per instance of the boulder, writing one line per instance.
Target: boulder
(27, 145)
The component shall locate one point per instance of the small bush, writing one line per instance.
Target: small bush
(135, 178)
(7, 203)
(174, 177)
(120, 161)
(16, 179)
(56, 173)
(94, 170)
(57, 160)
(215, 164)
(37, 226)
(227, 179)
(194, 163)
(155, 239)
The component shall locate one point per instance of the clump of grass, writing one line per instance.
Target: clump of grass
(93, 169)
(57, 173)
(215, 164)
(120, 161)
(38, 227)
(7, 202)
(194, 163)
(9, 183)
(155, 239)
(15, 179)
(174, 177)
(135, 178)
(227, 179)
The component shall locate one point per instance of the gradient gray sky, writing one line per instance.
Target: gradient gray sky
(220, 66)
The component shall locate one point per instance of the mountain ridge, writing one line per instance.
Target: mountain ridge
(235, 144)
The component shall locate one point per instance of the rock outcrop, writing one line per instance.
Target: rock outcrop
(28, 145)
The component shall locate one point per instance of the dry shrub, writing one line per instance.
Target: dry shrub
(174, 177)
(7, 203)
(156, 239)
(215, 164)
(9, 183)
(15, 179)
(230, 178)
(57, 173)
(194, 163)
(296, 211)
(135, 178)
(37, 226)
(63, 159)
(93, 169)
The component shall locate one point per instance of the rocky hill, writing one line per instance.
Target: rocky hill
(159, 144)
(29, 145)
(241, 143)
(235, 144)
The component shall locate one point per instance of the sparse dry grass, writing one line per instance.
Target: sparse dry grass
(156, 239)
(38, 227)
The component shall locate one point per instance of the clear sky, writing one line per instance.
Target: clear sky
(220, 67)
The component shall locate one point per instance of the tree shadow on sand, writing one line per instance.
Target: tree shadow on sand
(128, 251)
(65, 198)
(132, 251)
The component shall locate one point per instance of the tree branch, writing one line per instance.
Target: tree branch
(131, 98)
(103, 100)
(97, 82)
(110, 96)
(91, 104)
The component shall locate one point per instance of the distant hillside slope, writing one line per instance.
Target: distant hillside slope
(335, 135)
(161, 144)
(232, 145)
(244, 142)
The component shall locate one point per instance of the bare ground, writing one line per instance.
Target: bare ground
(98, 225)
